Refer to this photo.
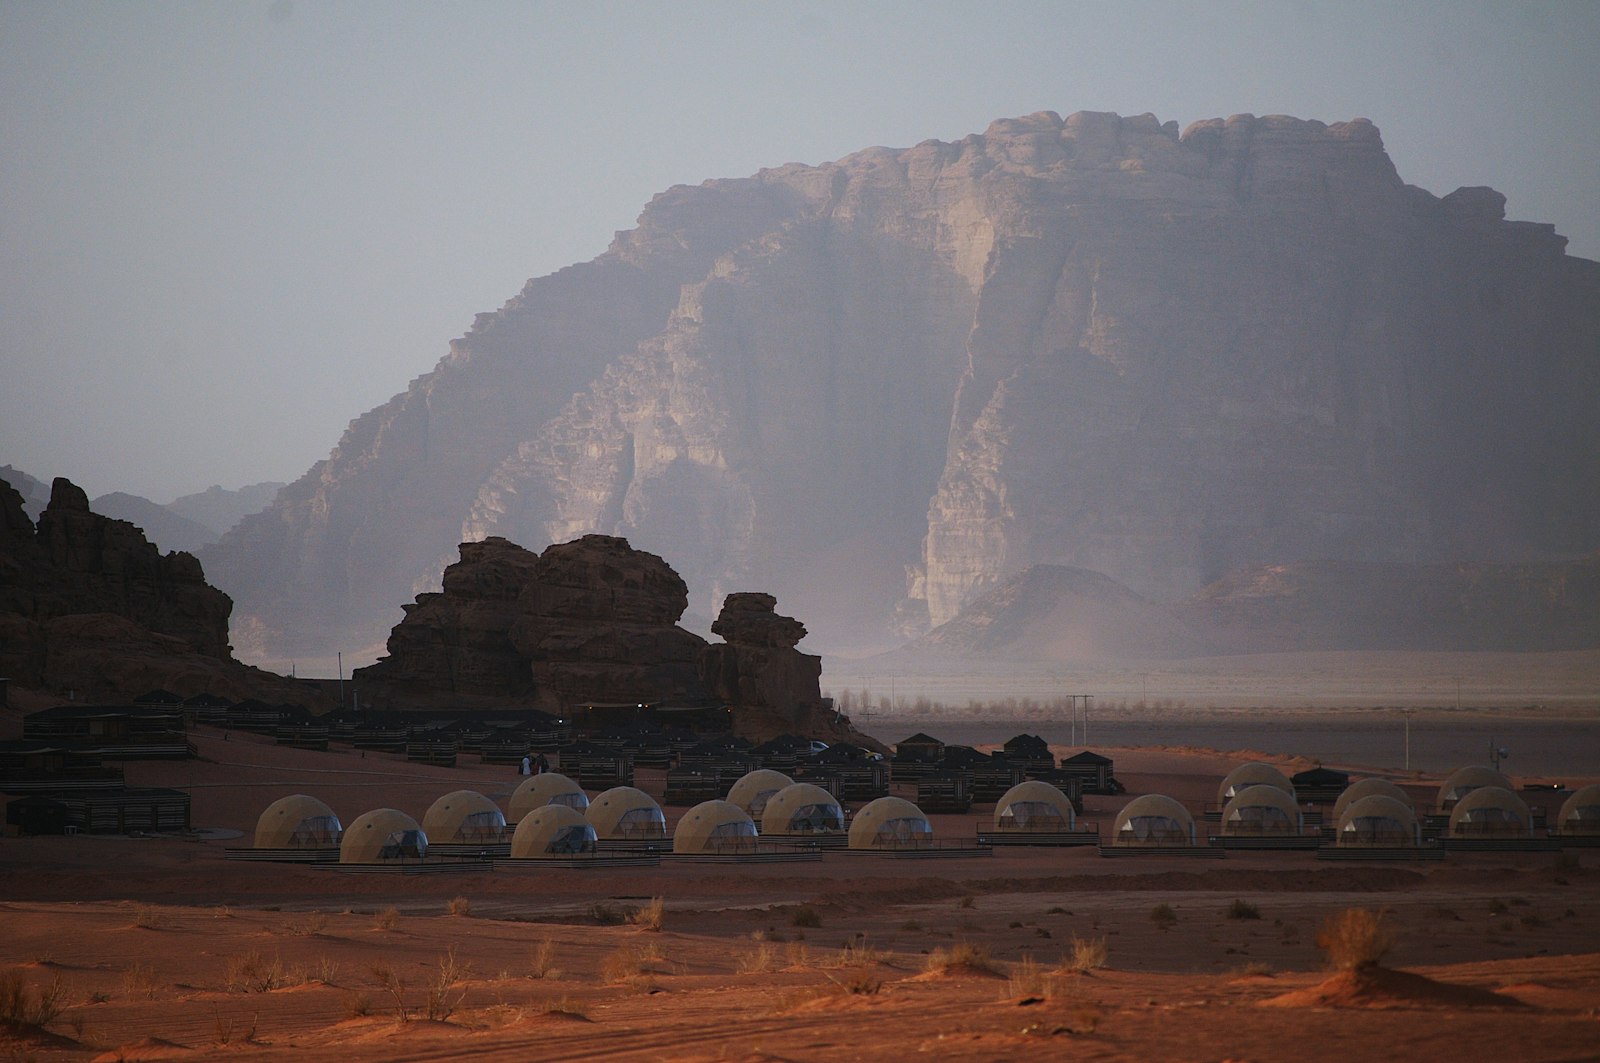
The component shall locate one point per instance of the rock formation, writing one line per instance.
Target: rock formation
(592, 621)
(881, 386)
(88, 605)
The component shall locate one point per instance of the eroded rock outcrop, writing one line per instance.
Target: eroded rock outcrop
(881, 386)
(591, 621)
(89, 605)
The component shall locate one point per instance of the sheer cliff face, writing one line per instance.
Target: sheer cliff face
(879, 386)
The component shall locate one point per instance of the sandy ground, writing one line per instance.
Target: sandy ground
(160, 948)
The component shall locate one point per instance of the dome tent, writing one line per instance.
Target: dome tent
(381, 836)
(546, 788)
(552, 832)
(1252, 773)
(464, 816)
(298, 822)
(753, 791)
(1367, 788)
(890, 823)
(1490, 812)
(1153, 820)
(1463, 781)
(802, 808)
(1034, 805)
(1580, 813)
(712, 827)
(624, 813)
(1261, 809)
(1378, 821)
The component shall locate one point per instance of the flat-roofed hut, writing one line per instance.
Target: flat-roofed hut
(1034, 806)
(624, 813)
(1252, 773)
(802, 809)
(1367, 788)
(464, 816)
(1463, 781)
(552, 832)
(1153, 820)
(890, 823)
(1580, 813)
(1261, 810)
(298, 822)
(1490, 812)
(1378, 821)
(547, 788)
(714, 827)
(384, 835)
(754, 789)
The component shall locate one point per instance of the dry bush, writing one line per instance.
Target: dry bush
(542, 960)
(806, 917)
(1243, 910)
(1163, 916)
(1088, 954)
(357, 1005)
(444, 994)
(798, 955)
(250, 972)
(387, 919)
(31, 1006)
(967, 901)
(313, 924)
(566, 1007)
(391, 983)
(327, 970)
(627, 964)
(1255, 968)
(148, 916)
(857, 953)
(649, 916)
(1355, 938)
(962, 954)
(225, 1032)
(762, 958)
(606, 914)
(139, 981)
(1027, 979)
(459, 906)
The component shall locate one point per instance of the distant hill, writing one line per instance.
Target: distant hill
(219, 509)
(35, 493)
(166, 529)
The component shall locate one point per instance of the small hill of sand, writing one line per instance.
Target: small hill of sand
(1380, 987)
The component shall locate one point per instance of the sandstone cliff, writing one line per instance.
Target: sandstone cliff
(591, 621)
(881, 386)
(89, 605)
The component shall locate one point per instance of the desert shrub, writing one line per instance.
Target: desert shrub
(1027, 979)
(251, 972)
(628, 963)
(1243, 910)
(459, 906)
(226, 1032)
(148, 916)
(391, 983)
(962, 954)
(357, 1005)
(762, 958)
(805, 916)
(444, 994)
(1163, 917)
(565, 1007)
(139, 981)
(31, 1006)
(798, 955)
(542, 960)
(313, 924)
(387, 919)
(857, 953)
(967, 901)
(649, 916)
(1354, 938)
(1087, 954)
(606, 914)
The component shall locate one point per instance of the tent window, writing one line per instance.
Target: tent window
(316, 832)
(1265, 819)
(642, 823)
(758, 804)
(1033, 815)
(1155, 829)
(404, 843)
(904, 833)
(731, 835)
(482, 827)
(575, 838)
(1376, 830)
(577, 800)
(816, 819)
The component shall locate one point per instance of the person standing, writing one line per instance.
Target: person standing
(527, 765)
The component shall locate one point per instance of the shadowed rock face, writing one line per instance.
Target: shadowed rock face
(883, 385)
(592, 621)
(88, 605)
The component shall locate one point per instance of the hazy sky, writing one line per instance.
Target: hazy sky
(228, 228)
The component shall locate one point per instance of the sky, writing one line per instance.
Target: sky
(229, 228)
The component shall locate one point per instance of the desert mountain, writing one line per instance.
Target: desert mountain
(1053, 614)
(35, 492)
(166, 529)
(219, 508)
(878, 387)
